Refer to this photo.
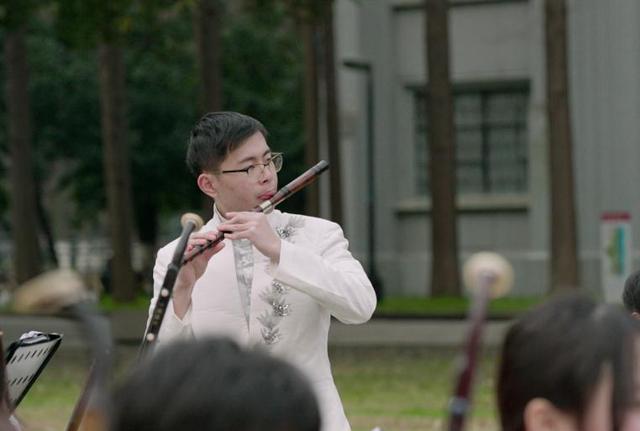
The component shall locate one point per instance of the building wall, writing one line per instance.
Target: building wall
(491, 42)
(605, 60)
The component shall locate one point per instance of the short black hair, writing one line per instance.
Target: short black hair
(215, 135)
(631, 293)
(212, 384)
(558, 351)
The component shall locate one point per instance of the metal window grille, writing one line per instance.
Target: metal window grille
(491, 141)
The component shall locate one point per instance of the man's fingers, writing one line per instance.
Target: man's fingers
(199, 238)
(212, 234)
(236, 227)
(213, 250)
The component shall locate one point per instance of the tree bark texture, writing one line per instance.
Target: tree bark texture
(564, 256)
(444, 243)
(116, 168)
(27, 258)
(209, 48)
(311, 115)
(333, 125)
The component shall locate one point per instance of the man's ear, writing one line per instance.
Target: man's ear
(635, 315)
(541, 415)
(206, 183)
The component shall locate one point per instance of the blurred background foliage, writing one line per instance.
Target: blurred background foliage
(261, 67)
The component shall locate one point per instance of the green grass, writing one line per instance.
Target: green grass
(391, 306)
(407, 388)
(398, 389)
(140, 302)
(450, 306)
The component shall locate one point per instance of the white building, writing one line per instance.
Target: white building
(498, 72)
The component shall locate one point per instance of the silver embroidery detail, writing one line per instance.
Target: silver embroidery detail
(280, 308)
(279, 288)
(275, 297)
(270, 332)
(243, 254)
(289, 230)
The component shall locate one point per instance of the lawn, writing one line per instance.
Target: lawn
(392, 306)
(396, 389)
(452, 307)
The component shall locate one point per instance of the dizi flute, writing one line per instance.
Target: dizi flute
(267, 206)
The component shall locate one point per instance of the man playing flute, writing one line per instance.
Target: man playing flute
(277, 278)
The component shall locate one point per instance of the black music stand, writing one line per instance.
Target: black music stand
(25, 360)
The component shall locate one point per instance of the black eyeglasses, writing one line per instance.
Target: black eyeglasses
(256, 170)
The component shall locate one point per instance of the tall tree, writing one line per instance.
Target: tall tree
(111, 76)
(96, 23)
(116, 167)
(331, 109)
(207, 17)
(27, 259)
(444, 237)
(207, 21)
(309, 31)
(163, 84)
(320, 91)
(564, 257)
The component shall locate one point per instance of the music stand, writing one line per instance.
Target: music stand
(25, 360)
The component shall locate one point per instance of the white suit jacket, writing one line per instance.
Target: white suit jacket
(291, 303)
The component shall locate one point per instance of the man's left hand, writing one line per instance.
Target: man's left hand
(255, 227)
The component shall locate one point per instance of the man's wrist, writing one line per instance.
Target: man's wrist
(275, 254)
(181, 298)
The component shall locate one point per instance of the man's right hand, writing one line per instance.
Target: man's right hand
(192, 271)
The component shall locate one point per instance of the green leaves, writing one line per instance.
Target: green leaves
(261, 77)
(16, 13)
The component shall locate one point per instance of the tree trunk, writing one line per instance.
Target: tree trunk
(311, 123)
(27, 259)
(444, 243)
(116, 168)
(564, 257)
(43, 221)
(333, 127)
(207, 34)
(207, 29)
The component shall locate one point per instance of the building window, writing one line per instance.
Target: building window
(491, 140)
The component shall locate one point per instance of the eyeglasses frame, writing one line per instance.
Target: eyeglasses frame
(264, 165)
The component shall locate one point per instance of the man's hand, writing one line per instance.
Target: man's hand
(255, 227)
(192, 271)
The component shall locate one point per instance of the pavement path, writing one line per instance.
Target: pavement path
(128, 326)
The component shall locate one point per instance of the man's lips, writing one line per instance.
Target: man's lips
(266, 196)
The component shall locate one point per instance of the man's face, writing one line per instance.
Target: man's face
(236, 191)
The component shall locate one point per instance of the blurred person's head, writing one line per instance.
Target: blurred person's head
(214, 385)
(570, 364)
(631, 294)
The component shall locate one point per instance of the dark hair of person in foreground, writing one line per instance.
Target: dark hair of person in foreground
(631, 294)
(561, 353)
(214, 385)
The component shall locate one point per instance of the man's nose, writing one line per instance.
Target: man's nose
(266, 174)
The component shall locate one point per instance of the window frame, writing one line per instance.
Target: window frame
(484, 90)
